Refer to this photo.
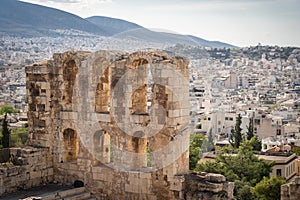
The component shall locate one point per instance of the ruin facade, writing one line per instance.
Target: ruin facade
(116, 121)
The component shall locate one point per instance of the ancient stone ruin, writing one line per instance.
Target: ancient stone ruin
(118, 122)
(291, 191)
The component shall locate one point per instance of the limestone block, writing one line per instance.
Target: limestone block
(177, 184)
(103, 117)
(174, 113)
(35, 182)
(35, 174)
(215, 178)
(13, 171)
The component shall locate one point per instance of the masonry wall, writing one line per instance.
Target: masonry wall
(291, 191)
(32, 167)
(92, 111)
(204, 186)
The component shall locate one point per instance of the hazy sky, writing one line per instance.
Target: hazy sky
(238, 22)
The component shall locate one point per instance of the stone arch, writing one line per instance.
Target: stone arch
(139, 101)
(139, 147)
(102, 146)
(102, 96)
(70, 142)
(140, 83)
(161, 95)
(138, 62)
(70, 70)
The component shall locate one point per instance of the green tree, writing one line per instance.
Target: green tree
(6, 109)
(5, 132)
(242, 191)
(195, 149)
(208, 144)
(250, 129)
(255, 143)
(296, 150)
(268, 188)
(236, 133)
(243, 168)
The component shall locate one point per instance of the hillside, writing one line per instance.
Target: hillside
(112, 25)
(20, 18)
(30, 20)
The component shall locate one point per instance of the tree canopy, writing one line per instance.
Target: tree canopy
(7, 109)
(244, 168)
(5, 131)
(195, 149)
(236, 133)
(268, 188)
(250, 129)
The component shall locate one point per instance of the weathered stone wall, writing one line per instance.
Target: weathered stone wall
(32, 167)
(92, 111)
(291, 191)
(204, 186)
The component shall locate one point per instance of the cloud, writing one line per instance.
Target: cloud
(212, 5)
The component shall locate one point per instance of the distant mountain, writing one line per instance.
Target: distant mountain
(170, 38)
(207, 43)
(112, 25)
(20, 18)
(25, 19)
(156, 37)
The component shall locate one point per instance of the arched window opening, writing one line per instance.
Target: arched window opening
(102, 97)
(139, 101)
(70, 145)
(139, 142)
(102, 146)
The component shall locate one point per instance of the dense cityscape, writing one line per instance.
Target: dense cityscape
(102, 108)
(259, 84)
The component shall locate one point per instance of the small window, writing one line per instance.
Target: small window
(278, 172)
(278, 131)
(208, 119)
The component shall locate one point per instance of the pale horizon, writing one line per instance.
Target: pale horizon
(237, 22)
